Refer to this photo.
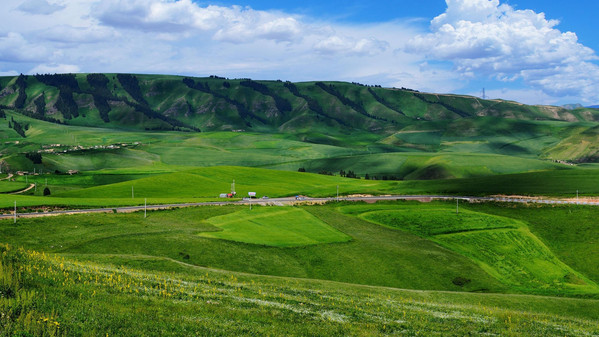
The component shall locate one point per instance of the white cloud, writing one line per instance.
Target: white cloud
(347, 45)
(40, 7)
(55, 69)
(182, 18)
(79, 35)
(15, 48)
(9, 73)
(472, 39)
(482, 37)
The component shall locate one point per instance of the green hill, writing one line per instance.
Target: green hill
(91, 122)
(159, 102)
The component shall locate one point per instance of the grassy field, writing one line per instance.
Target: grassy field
(109, 188)
(172, 265)
(569, 231)
(99, 298)
(503, 247)
(396, 268)
(461, 149)
(395, 258)
(9, 186)
(277, 227)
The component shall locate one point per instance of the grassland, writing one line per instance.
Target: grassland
(9, 186)
(207, 302)
(287, 227)
(336, 269)
(503, 247)
(394, 258)
(156, 275)
(109, 188)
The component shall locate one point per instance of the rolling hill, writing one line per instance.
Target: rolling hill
(62, 122)
(158, 102)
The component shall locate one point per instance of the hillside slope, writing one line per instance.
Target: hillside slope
(160, 102)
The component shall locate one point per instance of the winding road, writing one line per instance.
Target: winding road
(293, 200)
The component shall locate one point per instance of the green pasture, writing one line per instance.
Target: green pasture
(211, 181)
(503, 247)
(422, 165)
(181, 184)
(109, 298)
(394, 258)
(466, 149)
(11, 186)
(563, 183)
(277, 227)
(430, 221)
(569, 231)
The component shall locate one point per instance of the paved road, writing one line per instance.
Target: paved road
(292, 200)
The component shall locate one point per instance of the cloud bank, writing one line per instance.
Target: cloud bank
(473, 40)
(484, 37)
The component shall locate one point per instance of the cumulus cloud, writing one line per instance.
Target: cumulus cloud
(55, 69)
(470, 40)
(79, 35)
(9, 73)
(493, 39)
(232, 24)
(350, 46)
(15, 48)
(40, 7)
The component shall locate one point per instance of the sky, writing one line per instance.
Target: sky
(531, 51)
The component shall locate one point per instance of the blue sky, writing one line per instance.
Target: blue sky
(535, 52)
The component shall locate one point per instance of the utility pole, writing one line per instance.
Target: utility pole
(457, 206)
(337, 193)
(145, 206)
(15, 218)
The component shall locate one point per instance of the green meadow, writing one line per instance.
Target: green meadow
(340, 268)
(288, 227)
(503, 247)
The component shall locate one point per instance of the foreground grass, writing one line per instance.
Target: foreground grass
(52, 295)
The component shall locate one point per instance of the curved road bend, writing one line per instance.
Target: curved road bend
(292, 200)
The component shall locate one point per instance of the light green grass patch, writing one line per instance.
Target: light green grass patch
(10, 186)
(279, 227)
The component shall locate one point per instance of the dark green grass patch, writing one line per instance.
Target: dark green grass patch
(503, 247)
(570, 231)
(278, 227)
(439, 221)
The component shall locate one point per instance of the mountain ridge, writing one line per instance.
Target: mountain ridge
(169, 102)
